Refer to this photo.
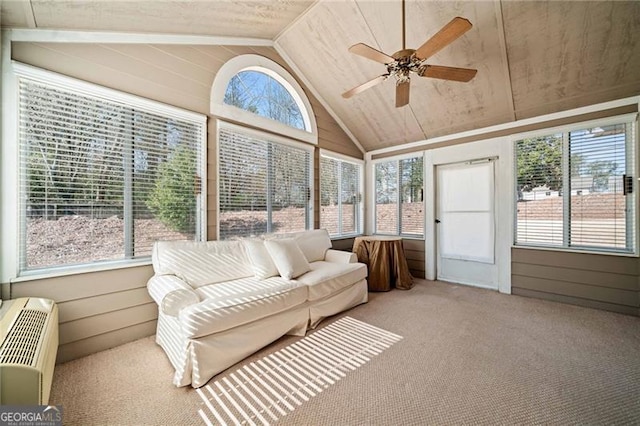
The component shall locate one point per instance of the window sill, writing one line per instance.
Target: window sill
(577, 251)
(79, 269)
(344, 237)
(404, 237)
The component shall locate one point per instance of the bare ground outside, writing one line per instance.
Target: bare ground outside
(81, 239)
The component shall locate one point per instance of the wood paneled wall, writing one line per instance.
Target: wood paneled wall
(598, 281)
(414, 252)
(344, 244)
(104, 309)
(97, 310)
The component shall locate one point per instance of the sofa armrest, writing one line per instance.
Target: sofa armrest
(337, 256)
(171, 294)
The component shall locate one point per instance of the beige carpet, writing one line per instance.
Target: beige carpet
(277, 384)
(468, 356)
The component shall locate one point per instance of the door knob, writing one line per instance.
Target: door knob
(437, 220)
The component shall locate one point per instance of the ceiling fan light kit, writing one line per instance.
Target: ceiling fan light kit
(401, 64)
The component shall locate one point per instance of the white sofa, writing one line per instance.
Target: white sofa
(220, 301)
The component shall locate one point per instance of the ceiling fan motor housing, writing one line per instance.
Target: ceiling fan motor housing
(405, 63)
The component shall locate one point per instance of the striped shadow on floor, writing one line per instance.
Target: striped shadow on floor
(263, 391)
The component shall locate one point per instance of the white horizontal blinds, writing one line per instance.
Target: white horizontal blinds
(98, 177)
(411, 193)
(290, 191)
(386, 175)
(242, 169)
(350, 198)
(166, 187)
(598, 163)
(539, 184)
(330, 195)
(263, 185)
(571, 189)
(339, 196)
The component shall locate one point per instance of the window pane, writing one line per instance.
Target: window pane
(101, 180)
(387, 197)
(411, 196)
(598, 206)
(263, 186)
(243, 185)
(349, 192)
(329, 195)
(260, 94)
(164, 163)
(539, 190)
(290, 185)
(593, 212)
(339, 196)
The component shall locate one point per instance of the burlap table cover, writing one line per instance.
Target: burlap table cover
(384, 256)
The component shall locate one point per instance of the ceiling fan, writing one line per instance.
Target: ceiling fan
(406, 61)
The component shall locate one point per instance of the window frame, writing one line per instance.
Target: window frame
(630, 118)
(360, 211)
(372, 193)
(260, 134)
(251, 62)
(56, 80)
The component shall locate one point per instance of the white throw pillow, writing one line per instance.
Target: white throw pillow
(288, 257)
(263, 266)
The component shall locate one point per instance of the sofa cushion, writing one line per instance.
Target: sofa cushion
(326, 278)
(314, 244)
(230, 304)
(261, 262)
(288, 257)
(202, 263)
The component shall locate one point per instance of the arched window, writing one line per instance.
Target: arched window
(259, 93)
(265, 169)
(254, 90)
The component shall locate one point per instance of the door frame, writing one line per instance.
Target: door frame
(502, 149)
(488, 270)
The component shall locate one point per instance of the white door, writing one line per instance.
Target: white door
(465, 229)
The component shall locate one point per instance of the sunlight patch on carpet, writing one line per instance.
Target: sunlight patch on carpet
(261, 392)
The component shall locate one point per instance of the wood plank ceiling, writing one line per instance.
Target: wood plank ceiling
(532, 58)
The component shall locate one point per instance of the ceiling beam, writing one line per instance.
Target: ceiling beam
(29, 14)
(60, 36)
(503, 48)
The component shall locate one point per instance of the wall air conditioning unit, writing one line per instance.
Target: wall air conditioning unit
(28, 348)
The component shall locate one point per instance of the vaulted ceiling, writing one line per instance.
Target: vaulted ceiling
(533, 57)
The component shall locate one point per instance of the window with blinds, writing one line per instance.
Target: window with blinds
(573, 189)
(264, 185)
(101, 180)
(340, 196)
(399, 197)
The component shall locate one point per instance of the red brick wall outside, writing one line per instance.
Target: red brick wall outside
(589, 206)
(412, 218)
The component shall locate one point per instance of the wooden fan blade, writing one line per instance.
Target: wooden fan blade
(364, 86)
(446, 35)
(402, 93)
(448, 73)
(371, 53)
